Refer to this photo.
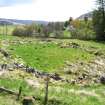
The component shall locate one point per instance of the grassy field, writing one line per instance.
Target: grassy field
(51, 55)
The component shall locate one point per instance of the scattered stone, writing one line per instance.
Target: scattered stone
(28, 101)
(98, 53)
(69, 45)
(75, 45)
(30, 70)
(4, 66)
(96, 80)
(102, 79)
(33, 83)
(68, 81)
(4, 53)
(56, 77)
(80, 78)
(68, 72)
(81, 63)
(17, 65)
(10, 69)
(99, 62)
(2, 72)
(73, 82)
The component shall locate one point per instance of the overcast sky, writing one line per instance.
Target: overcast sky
(48, 10)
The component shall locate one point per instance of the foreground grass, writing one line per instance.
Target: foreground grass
(59, 94)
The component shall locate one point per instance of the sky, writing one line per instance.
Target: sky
(47, 10)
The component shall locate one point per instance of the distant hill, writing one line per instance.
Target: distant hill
(20, 22)
(89, 15)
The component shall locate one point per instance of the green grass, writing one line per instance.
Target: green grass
(49, 56)
(64, 96)
(59, 94)
(8, 100)
(67, 34)
(14, 84)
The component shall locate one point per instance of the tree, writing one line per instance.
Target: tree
(70, 20)
(66, 24)
(86, 19)
(99, 20)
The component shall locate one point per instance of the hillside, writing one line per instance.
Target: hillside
(74, 67)
(16, 21)
(89, 15)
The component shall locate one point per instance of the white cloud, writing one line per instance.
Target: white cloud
(5, 3)
(50, 10)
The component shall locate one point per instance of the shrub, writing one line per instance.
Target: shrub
(82, 30)
(83, 34)
(19, 31)
(24, 30)
(46, 31)
(59, 34)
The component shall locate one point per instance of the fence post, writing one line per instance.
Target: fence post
(46, 89)
(28, 101)
(19, 94)
(6, 29)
